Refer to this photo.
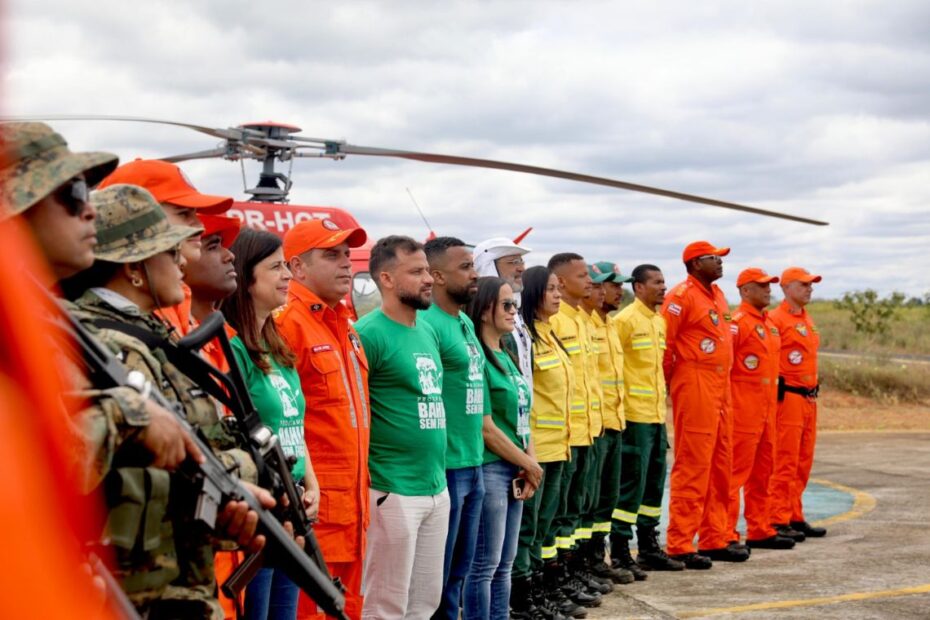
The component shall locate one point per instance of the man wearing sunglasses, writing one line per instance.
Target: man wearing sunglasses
(697, 367)
(503, 258)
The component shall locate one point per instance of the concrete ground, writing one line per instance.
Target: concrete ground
(874, 562)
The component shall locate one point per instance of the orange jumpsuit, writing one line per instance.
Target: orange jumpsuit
(796, 420)
(754, 387)
(334, 377)
(697, 366)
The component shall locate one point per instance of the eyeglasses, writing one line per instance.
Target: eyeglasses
(713, 256)
(509, 305)
(74, 196)
(513, 261)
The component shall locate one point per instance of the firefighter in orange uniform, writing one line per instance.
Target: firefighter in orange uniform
(334, 377)
(697, 367)
(796, 421)
(754, 388)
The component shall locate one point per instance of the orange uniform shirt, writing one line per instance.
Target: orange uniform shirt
(799, 343)
(179, 316)
(697, 329)
(754, 375)
(334, 377)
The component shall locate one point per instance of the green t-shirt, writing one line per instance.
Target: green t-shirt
(280, 404)
(510, 402)
(463, 392)
(407, 449)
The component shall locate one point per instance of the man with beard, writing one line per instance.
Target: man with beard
(333, 371)
(697, 366)
(409, 501)
(503, 258)
(455, 282)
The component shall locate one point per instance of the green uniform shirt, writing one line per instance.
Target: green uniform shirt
(407, 452)
(510, 402)
(280, 403)
(463, 393)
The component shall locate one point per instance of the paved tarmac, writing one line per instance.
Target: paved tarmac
(873, 563)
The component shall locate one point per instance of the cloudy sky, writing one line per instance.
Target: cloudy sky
(814, 108)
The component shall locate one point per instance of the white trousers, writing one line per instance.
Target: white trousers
(404, 559)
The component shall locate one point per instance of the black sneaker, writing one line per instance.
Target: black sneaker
(726, 554)
(693, 561)
(772, 542)
(789, 532)
(809, 530)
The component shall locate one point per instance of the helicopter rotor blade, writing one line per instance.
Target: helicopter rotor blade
(217, 152)
(223, 134)
(352, 149)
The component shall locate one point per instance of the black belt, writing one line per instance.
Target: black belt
(783, 387)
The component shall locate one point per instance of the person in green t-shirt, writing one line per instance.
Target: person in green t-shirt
(455, 282)
(407, 455)
(267, 365)
(511, 473)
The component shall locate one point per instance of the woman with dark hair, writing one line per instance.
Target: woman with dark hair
(267, 365)
(535, 571)
(511, 473)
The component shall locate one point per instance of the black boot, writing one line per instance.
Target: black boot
(620, 557)
(573, 587)
(651, 556)
(521, 600)
(601, 568)
(582, 569)
(545, 609)
(789, 532)
(808, 530)
(552, 581)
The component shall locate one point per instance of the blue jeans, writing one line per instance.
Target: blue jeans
(466, 494)
(271, 595)
(487, 588)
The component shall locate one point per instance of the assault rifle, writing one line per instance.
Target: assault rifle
(214, 483)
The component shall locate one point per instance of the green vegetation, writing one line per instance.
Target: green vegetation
(870, 314)
(877, 379)
(908, 330)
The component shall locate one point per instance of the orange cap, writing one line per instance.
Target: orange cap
(754, 274)
(319, 234)
(226, 227)
(701, 248)
(791, 274)
(167, 183)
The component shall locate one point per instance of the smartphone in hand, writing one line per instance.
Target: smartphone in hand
(518, 486)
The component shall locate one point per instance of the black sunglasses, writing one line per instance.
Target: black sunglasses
(509, 305)
(74, 195)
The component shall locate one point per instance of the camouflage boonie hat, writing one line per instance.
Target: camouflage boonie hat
(131, 225)
(35, 161)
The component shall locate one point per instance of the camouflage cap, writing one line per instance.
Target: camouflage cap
(35, 161)
(131, 225)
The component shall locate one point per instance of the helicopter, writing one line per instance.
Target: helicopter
(268, 206)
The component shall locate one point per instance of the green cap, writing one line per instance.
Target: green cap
(606, 271)
(35, 161)
(132, 226)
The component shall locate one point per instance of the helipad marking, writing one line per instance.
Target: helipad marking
(810, 602)
(862, 503)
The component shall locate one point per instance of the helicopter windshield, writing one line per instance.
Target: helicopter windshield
(365, 295)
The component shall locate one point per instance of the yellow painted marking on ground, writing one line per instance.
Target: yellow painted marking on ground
(862, 503)
(810, 602)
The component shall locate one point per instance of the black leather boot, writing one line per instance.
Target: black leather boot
(651, 556)
(521, 600)
(601, 568)
(573, 587)
(620, 557)
(552, 580)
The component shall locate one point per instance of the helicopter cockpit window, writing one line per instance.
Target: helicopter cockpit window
(365, 295)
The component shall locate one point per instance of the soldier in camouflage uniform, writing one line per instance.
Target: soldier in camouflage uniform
(167, 568)
(43, 185)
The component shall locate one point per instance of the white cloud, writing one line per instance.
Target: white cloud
(817, 109)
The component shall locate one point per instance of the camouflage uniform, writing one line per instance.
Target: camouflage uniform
(165, 563)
